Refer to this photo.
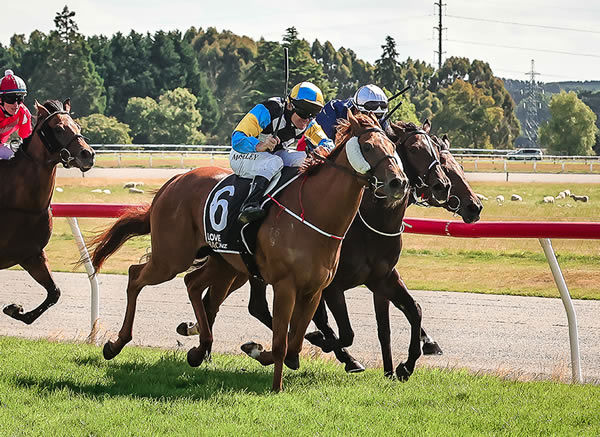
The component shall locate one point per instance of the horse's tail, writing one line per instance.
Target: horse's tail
(135, 221)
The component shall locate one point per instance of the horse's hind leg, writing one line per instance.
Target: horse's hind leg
(140, 275)
(223, 279)
(37, 266)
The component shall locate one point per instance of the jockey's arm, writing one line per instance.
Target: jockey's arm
(315, 135)
(25, 128)
(244, 138)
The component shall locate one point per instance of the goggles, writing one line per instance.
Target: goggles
(304, 115)
(373, 106)
(12, 98)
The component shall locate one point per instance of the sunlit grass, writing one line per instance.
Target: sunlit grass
(60, 389)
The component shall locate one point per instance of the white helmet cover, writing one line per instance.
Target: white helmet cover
(371, 98)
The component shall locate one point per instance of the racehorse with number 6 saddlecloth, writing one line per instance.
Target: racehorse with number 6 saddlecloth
(369, 254)
(26, 187)
(292, 256)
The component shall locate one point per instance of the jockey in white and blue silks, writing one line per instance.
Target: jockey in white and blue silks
(368, 98)
(258, 154)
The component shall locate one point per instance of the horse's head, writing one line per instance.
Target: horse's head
(61, 136)
(463, 200)
(421, 159)
(370, 153)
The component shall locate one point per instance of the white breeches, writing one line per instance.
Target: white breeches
(248, 165)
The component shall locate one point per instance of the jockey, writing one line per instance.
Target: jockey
(368, 98)
(262, 142)
(14, 117)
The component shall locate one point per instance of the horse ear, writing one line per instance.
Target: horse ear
(42, 112)
(67, 105)
(353, 121)
(446, 141)
(426, 125)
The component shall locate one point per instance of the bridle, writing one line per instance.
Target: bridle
(415, 200)
(416, 180)
(361, 169)
(53, 145)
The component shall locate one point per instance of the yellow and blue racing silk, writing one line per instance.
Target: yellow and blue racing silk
(263, 120)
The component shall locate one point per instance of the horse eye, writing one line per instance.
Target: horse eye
(368, 147)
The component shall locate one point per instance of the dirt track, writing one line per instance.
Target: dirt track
(518, 336)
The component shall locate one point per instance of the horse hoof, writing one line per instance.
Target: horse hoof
(292, 362)
(316, 337)
(13, 310)
(402, 373)
(354, 366)
(185, 329)
(389, 374)
(432, 349)
(108, 352)
(252, 349)
(195, 357)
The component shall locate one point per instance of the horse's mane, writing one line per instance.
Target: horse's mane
(343, 134)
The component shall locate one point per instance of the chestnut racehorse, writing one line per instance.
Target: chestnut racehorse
(369, 254)
(26, 187)
(298, 260)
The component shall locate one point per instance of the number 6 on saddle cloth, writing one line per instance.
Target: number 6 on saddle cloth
(224, 233)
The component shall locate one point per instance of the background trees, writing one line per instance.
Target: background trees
(132, 78)
(571, 129)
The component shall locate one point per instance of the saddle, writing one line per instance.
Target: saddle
(224, 233)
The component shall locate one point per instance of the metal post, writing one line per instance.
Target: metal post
(567, 302)
(95, 299)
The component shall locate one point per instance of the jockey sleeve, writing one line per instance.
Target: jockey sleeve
(330, 114)
(20, 122)
(25, 128)
(317, 136)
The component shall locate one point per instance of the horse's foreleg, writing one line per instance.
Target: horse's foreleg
(382, 315)
(392, 287)
(37, 266)
(283, 305)
(304, 310)
(258, 305)
(429, 345)
(140, 275)
(325, 338)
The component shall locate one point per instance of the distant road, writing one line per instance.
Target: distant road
(166, 173)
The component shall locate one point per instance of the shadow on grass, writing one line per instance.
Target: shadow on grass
(168, 378)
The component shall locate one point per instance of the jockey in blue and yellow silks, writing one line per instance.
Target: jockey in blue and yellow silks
(256, 153)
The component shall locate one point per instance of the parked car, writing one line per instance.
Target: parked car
(534, 154)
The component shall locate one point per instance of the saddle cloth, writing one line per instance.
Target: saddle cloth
(224, 233)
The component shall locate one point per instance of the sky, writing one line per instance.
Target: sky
(562, 37)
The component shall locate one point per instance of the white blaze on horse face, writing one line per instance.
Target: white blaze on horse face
(355, 156)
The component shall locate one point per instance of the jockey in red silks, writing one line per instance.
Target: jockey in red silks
(14, 117)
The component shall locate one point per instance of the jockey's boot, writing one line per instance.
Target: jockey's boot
(251, 210)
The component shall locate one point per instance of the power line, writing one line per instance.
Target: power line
(541, 26)
(526, 48)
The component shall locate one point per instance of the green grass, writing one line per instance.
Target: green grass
(69, 390)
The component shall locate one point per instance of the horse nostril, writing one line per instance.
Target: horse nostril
(86, 155)
(396, 184)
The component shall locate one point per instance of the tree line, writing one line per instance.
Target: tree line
(194, 86)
